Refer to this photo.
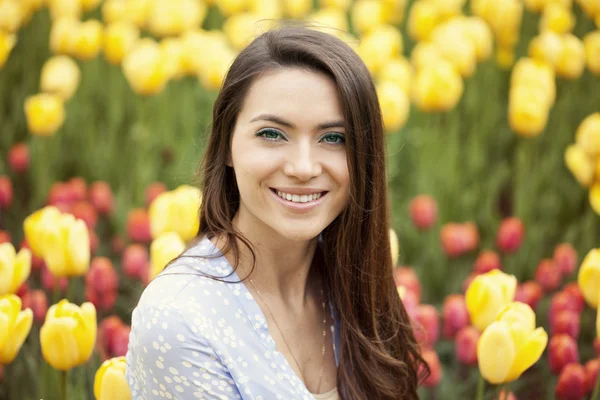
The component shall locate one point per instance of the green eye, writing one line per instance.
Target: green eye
(269, 134)
(334, 138)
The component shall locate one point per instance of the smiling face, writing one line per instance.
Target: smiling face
(288, 152)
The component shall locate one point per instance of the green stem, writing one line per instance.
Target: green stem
(596, 392)
(480, 388)
(64, 381)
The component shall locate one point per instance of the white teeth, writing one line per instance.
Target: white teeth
(295, 198)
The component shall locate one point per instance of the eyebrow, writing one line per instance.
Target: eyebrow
(280, 121)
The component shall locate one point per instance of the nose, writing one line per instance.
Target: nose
(303, 163)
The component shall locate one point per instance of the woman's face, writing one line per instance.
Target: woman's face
(289, 141)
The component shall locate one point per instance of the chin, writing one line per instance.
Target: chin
(299, 234)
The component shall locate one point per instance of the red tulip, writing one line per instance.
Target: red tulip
(60, 194)
(510, 235)
(565, 257)
(37, 263)
(120, 341)
(465, 345)
(574, 290)
(530, 293)
(106, 334)
(487, 261)
(18, 158)
(423, 211)
(38, 302)
(138, 225)
(94, 241)
(153, 190)
(548, 275)
(591, 374)
(454, 315)
(101, 197)
(427, 325)
(571, 382)
(78, 189)
(408, 278)
(458, 239)
(6, 192)
(86, 212)
(101, 284)
(135, 260)
(435, 367)
(567, 322)
(52, 283)
(5, 237)
(597, 347)
(562, 350)
(564, 301)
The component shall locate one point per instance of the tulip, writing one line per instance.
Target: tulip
(65, 9)
(4, 237)
(510, 235)
(119, 38)
(455, 315)
(16, 325)
(176, 211)
(587, 136)
(487, 295)
(425, 54)
(117, 244)
(565, 301)
(504, 395)
(68, 335)
(138, 226)
(557, 18)
(423, 17)
(407, 277)
(511, 344)
(565, 322)
(571, 59)
(18, 158)
(393, 11)
(571, 383)
(173, 52)
(589, 277)
(562, 350)
(573, 290)
(486, 261)
(592, 368)
(266, 9)
(37, 301)
(394, 247)
(480, 34)
(465, 345)
(458, 239)
(591, 45)
(435, 367)
(596, 344)
(594, 197)
(52, 283)
(166, 17)
(366, 15)
(135, 261)
(565, 257)
(89, 5)
(60, 75)
(241, 29)
(548, 275)
(212, 72)
(535, 75)
(63, 34)
(530, 293)
(145, 68)
(423, 211)
(110, 381)
(297, 9)
(342, 5)
(409, 301)
(14, 268)
(6, 192)
(11, 16)
(107, 334)
(102, 283)
(88, 40)
(7, 42)
(380, 45)
(45, 113)
(580, 164)
(524, 118)
(437, 87)
(329, 20)
(85, 211)
(453, 44)
(163, 250)
(102, 198)
(426, 325)
(395, 105)
(399, 71)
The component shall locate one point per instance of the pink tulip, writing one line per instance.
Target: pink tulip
(101, 197)
(135, 261)
(153, 190)
(106, 334)
(427, 325)
(423, 211)
(548, 275)
(18, 158)
(407, 277)
(52, 283)
(6, 192)
(565, 257)
(597, 347)
(506, 395)
(102, 283)
(454, 315)
(38, 302)
(465, 345)
(487, 261)
(591, 374)
(564, 301)
(574, 290)
(120, 341)
(530, 293)
(459, 239)
(85, 211)
(117, 244)
(571, 382)
(78, 189)
(562, 350)
(567, 322)
(138, 226)
(433, 361)
(510, 235)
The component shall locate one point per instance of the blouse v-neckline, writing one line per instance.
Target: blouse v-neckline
(259, 321)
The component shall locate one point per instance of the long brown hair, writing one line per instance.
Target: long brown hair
(378, 358)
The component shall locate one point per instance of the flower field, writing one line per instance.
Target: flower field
(492, 117)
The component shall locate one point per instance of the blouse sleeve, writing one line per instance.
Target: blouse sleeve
(168, 358)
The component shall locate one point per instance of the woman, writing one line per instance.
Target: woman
(288, 292)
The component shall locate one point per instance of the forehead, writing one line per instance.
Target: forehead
(301, 96)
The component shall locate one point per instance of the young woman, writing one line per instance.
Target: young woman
(288, 292)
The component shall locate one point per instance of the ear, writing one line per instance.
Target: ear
(229, 163)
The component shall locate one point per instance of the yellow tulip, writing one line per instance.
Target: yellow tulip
(67, 247)
(598, 323)
(35, 226)
(63, 34)
(534, 5)
(89, 5)
(423, 17)
(11, 16)
(588, 277)
(65, 8)
(395, 105)
(172, 50)
(393, 11)
(68, 335)
(163, 250)
(119, 38)
(176, 211)
(394, 247)
(503, 17)
(45, 113)
(213, 71)
(241, 29)
(88, 40)
(588, 134)
(591, 45)
(379, 45)
(399, 71)
(571, 60)
(590, 7)
(595, 197)
(437, 87)
(535, 74)
(367, 14)
(110, 381)
(266, 9)
(135, 11)
(505, 57)
(425, 55)
(597, 21)
(231, 7)
(480, 34)
(487, 295)
(557, 18)
(7, 42)
(580, 164)
(30, 7)
(145, 68)
(546, 47)
(455, 47)
(342, 5)
(168, 17)
(328, 20)
(14, 327)
(60, 75)
(297, 9)
(528, 110)
(114, 10)
(14, 268)
(511, 344)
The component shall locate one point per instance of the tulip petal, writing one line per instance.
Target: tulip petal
(589, 277)
(17, 337)
(59, 345)
(86, 332)
(7, 262)
(4, 329)
(495, 352)
(54, 252)
(114, 386)
(99, 377)
(78, 248)
(529, 353)
(22, 269)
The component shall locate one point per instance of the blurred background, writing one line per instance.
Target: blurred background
(492, 116)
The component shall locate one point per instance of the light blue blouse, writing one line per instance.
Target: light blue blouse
(193, 337)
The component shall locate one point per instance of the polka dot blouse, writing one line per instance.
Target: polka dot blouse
(193, 337)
